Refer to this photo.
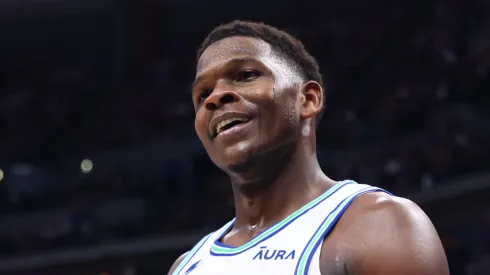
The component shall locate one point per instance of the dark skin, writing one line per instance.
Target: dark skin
(272, 164)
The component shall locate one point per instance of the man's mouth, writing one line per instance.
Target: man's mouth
(228, 124)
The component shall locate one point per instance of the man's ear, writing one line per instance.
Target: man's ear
(311, 99)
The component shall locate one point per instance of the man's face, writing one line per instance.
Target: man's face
(245, 97)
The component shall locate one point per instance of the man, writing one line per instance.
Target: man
(258, 95)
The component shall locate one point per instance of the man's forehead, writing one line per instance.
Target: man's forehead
(229, 48)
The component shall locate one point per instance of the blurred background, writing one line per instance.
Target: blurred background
(102, 173)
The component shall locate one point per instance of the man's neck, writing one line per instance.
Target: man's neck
(298, 182)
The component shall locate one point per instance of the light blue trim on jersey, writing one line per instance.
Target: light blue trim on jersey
(191, 254)
(219, 249)
(304, 261)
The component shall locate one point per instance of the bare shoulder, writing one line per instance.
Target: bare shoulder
(388, 210)
(382, 234)
(176, 263)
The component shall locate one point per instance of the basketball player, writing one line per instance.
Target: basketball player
(257, 96)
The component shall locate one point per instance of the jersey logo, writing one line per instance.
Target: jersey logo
(193, 266)
(268, 254)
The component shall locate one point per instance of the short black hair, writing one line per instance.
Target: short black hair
(282, 42)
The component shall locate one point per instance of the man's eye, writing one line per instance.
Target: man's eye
(248, 75)
(204, 94)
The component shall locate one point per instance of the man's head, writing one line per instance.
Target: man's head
(257, 93)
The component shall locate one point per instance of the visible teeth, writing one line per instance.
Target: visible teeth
(219, 127)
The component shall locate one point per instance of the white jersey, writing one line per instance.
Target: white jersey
(291, 246)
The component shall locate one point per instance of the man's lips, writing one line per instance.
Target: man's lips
(225, 121)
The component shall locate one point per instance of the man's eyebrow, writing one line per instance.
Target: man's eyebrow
(231, 62)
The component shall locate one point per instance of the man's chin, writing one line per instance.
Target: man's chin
(246, 163)
(240, 167)
(258, 161)
(238, 157)
(238, 164)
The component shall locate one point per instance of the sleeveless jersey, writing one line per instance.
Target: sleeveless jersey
(290, 247)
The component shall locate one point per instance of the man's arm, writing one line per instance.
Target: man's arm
(387, 235)
(176, 263)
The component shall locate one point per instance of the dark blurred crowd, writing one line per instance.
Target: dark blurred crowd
(418, 117)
